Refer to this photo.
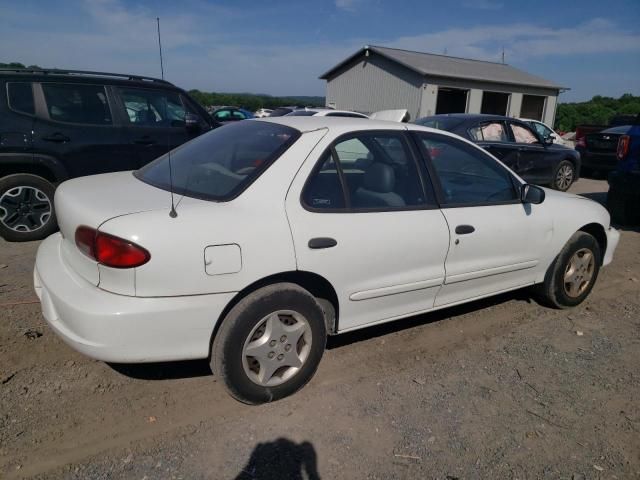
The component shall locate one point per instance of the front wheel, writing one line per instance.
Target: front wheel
(270, 344)
(573, 273)
(26, 208)
(564, 176)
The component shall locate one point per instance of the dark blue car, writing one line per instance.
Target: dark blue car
(537, 160)
(623, 199)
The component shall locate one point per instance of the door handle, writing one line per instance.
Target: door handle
(464, 229)
(144, 141)
(56, 138)
(322, 242)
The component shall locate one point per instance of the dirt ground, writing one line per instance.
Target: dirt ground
(501, 388)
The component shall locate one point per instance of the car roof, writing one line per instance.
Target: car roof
(82, 76)
(341, 125)
(472, 116)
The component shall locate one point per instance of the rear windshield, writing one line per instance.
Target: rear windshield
(302, 113)
(221, 164)
(280, 112)
(441, 123)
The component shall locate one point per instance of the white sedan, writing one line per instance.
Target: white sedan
(280, 238)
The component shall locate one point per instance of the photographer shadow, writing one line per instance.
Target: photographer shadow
(281, 459)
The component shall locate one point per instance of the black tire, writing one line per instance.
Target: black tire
(554, 292)
(33, 223)
(228, 360)
(561, 180)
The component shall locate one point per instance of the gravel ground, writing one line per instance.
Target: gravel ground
(501, 388)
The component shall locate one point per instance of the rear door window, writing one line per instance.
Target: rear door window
(77, 103)
(367, 171)
(489, 132)
(20, 97)
(153, 108)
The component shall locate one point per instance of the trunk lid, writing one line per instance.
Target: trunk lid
(93, 200)
(602, 142)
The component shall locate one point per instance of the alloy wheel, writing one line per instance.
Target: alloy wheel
(579, 272)
(24, 209)
(564, 177)
(277, 348)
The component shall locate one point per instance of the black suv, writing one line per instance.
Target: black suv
(61, 124)
(537, 160)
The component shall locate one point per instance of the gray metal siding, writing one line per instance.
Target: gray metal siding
(375, 83)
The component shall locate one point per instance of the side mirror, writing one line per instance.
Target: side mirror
(548, 140)
(192, 122)
(532, 194)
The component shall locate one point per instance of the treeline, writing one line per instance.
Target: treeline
(253, 102)
(597, 111)
(17, 65)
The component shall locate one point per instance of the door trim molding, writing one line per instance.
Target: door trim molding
(462, 277)
(395, 289)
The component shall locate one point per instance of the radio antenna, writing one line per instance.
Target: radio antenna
(172, 213)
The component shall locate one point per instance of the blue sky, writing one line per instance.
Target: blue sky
(281, 47)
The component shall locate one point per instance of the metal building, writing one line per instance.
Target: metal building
(380, 78)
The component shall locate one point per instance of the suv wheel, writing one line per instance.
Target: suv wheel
(564, 176)
(270, 344)
(26, 208)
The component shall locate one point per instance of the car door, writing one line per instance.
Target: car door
(535, 164)
(496, 241)
(75, 124)
(154, 120)
(493, 137)
(373, 231)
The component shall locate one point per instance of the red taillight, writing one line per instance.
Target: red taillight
(110, 250)
(581, 142)
(86, 241)
(623, 146)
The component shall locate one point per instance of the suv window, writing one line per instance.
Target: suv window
(467, 175)
(77, 103)
(20, 97)
(220, 164)
(523, 134)
(153, 108)
(376, 170)
(489, 132)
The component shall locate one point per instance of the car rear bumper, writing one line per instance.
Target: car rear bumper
(118, 328)
(596, 161)
(613, 237)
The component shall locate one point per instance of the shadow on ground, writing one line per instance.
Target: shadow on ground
(281, 459)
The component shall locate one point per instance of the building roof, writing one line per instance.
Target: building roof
(452, 67)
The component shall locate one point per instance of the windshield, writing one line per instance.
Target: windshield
(221, 164)
(441, 123)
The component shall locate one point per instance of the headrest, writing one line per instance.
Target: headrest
(380, 178)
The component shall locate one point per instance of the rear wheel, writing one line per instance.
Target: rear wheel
(270, 344)
(564, 176)
(573, 274)
(26, 208)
